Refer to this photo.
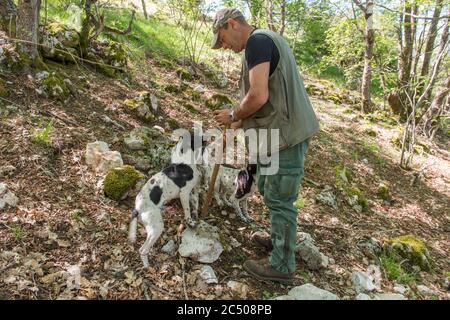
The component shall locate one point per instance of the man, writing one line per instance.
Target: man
(273, 97)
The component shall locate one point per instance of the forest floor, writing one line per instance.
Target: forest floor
(63, 220)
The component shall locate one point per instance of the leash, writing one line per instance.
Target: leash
(212, 182)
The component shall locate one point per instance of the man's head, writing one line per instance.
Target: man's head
(230, 30)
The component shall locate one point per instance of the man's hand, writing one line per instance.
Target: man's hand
(223, 116)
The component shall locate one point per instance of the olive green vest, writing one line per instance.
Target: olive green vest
(288, 108)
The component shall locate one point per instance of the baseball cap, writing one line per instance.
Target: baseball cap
(220, 20)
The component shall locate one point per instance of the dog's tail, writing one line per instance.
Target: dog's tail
(133, 226)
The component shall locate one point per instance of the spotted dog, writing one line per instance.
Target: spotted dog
(179, 180)
(233, 187)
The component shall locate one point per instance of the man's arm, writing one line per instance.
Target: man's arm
(256, 97)
(258, 93)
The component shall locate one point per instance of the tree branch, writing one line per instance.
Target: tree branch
(409, 14)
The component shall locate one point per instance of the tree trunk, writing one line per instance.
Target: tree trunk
(8, 13)
(270, 21)
(431, 37)
(85, 28)
(27, 26)
(368, 54)
(406, 53)
(283, 16)
(443, 46)
(428, 123)
(144, 9)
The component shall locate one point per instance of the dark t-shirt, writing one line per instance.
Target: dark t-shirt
(260, 48)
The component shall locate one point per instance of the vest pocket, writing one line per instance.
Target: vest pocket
(286, 100)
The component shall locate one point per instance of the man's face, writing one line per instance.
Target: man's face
(230, 38)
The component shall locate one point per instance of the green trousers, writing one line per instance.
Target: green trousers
(280, 191)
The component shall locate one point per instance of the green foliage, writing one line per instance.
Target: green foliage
(395, 271)
(42, 136)
(267, 295)
(18, 232)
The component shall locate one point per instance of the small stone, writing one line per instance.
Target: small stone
(398, 288)
(208, 275)
(311, 292)
(223, 212)
(168, 247)
(425, 291)
(362, 282)
(238, 288)
(363, 296)
(388, 296)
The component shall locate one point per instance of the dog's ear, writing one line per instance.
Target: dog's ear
(243, 183)
(252, 169)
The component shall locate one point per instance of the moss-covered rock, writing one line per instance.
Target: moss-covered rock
(356, 198)
(14, 59)
(119, 181)
(411, 249)
(383, 192)
(59, 42)
(55, 87)
(184, 74)
(218, 101)
(142, 106)
(172, 88)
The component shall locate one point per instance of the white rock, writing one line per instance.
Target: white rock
(238, 288)
(99, 157)
(303, 236)
(3, 188)
(11, 199)
(208, 275)
(327, 197)
(199, 88)
(425, 291)
(388, 296)
(42, 75)
(201, 244)
(311, 255)
(363, 296)
(362, 282)
(375, 272)
(398, 288)
(168, 247)
(154, 102)
(311, 292)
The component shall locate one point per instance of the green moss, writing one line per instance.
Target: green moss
(183, 74)
(3, 91)
(131, 103)
(299, 203)
(173, 124)
(370, 132)
(119, 181)
(55, 87)
(191, 108)
(194, 95)
(383, 192)
(165, 63)
(358, 195)
(171, 88)
(412, 249)
(218, 101)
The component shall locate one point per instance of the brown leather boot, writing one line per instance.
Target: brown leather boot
(262, 270)
(262, 239)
